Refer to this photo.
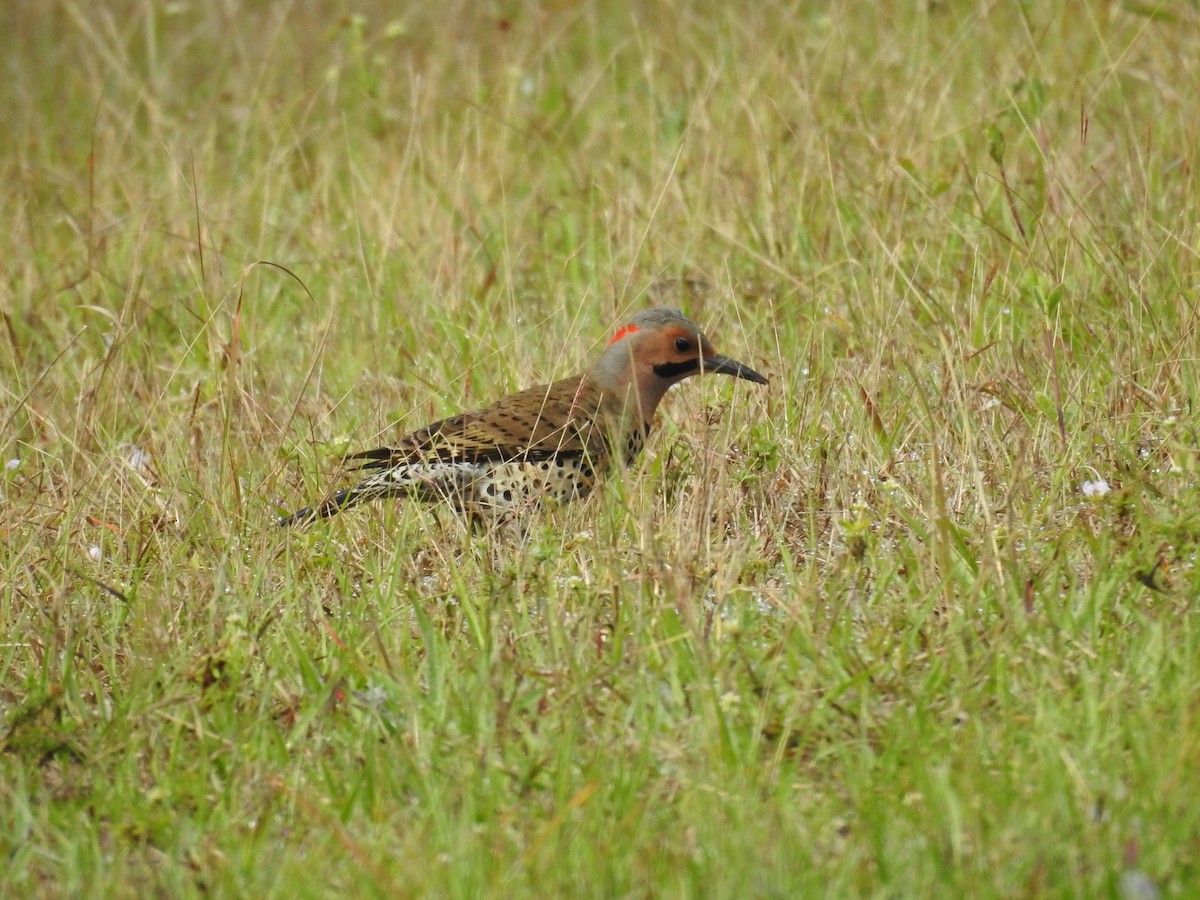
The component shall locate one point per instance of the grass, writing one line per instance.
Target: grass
(860, 632)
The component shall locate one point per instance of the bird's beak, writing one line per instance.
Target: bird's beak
(723, 365)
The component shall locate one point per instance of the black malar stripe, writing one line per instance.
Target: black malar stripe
(670, 370)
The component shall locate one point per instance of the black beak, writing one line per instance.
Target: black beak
(723, 365)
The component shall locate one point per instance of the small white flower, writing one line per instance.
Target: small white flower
(1097, 488)
(11, 464)
(138, 459)
(374, 697)
(1137, 885)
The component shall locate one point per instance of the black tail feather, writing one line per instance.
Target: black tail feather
(372, 459)
(330, 506)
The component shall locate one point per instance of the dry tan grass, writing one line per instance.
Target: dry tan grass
(861, 632)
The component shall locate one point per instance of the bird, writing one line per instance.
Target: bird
(551, 442)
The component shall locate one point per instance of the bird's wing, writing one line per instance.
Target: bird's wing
(549, 420)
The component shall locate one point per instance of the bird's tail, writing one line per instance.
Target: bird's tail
(390, 481)
(330, 506)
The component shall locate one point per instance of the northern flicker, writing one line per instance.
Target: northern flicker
(549, 442)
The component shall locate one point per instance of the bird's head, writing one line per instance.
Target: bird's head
(656, 349)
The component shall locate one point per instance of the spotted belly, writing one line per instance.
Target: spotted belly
(507, 486)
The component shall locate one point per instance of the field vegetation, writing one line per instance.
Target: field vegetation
(917, 618)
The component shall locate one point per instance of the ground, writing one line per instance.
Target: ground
(917, 618)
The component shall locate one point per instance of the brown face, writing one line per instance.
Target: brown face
(678, 352)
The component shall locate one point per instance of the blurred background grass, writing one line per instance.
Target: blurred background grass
(860, 632)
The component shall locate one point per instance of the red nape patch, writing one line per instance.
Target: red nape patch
(628, 329)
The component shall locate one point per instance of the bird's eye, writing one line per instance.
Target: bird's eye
(683, 345)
